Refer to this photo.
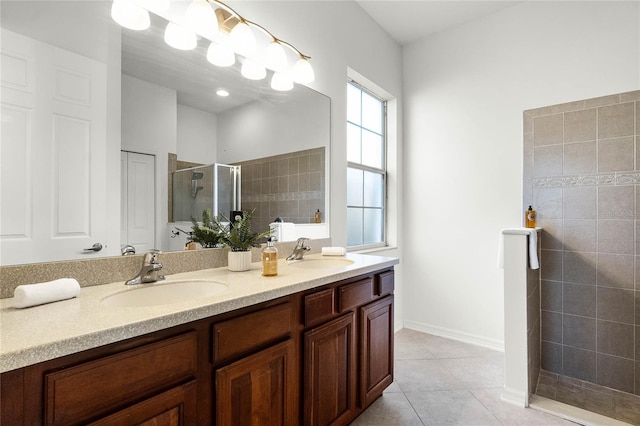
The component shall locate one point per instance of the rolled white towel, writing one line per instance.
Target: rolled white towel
(334, 251)
(52, 291)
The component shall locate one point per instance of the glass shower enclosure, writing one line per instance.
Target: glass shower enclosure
(214, 186)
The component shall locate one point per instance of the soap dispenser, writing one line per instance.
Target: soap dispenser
(318, 217)
(530, 218)
(269, 259)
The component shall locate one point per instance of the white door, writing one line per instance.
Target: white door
(138, 201)
(52, 152)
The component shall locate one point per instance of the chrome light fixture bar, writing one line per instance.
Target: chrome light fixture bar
(229, 33)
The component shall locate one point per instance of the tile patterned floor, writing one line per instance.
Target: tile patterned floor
(445, 382)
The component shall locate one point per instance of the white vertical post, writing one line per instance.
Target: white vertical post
(516, 380)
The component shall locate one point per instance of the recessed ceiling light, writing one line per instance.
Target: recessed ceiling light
(222, 92)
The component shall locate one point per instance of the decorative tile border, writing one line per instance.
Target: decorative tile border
(618, 178)
(283, 196)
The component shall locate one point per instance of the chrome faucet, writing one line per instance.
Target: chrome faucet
(149, 271)
(128, 250)
(299, 249)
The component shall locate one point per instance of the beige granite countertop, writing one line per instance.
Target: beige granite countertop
(41, 333)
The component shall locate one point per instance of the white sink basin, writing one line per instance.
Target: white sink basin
(321, 263)
(164, 293)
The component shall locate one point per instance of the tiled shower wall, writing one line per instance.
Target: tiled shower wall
(582, 175)
(290, 186)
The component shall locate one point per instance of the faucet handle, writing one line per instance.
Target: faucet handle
(301, 241)
(151, 257)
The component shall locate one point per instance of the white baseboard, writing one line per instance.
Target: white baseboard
(515, 397)
(461, 336)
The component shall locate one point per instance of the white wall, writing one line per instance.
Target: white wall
(196, 135)
(149, 122)
(465, 90)
(260, 129)
(338, 35)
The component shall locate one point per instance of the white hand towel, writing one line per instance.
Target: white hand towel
(333, 251)
(52, 291)
(533, 250)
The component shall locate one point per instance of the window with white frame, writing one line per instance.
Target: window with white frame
(366, 168)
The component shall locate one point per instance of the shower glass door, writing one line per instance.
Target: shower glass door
(214, 187)
(227, 189)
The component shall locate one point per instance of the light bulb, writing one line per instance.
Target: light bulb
(220, 55)
(242, 39)
(281, 82)
(155, 6)
(275, 58)
(222, 93)
(179, 37)
(252, 70)
(130, 15)
(202, 18)
(303, 72)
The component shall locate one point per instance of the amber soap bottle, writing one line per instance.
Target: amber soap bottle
(270, 260)
(530, 218)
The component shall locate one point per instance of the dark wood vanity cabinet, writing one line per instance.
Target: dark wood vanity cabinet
(348, 350)
(330, 372)
(318, 357)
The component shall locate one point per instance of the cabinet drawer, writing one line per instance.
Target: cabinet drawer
(384, 283)
(95, 387)
(318, 306)
(177, 406)
(251, 331)
(356, 294)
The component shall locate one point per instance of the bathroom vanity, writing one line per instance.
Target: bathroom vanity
(312, 346)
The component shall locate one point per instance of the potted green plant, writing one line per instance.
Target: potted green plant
(207, 233)
(239, 237)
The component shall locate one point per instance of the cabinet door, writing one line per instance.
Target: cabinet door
(376, 349)
(175, 407)
(259, 389)
(330, 372)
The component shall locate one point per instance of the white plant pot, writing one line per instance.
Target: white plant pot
(239, 260)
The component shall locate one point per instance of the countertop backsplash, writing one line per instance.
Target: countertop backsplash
(106, 270)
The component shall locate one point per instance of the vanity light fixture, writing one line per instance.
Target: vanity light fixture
(180, 37)
(130, 15)
(222, 93)
(275, 57)
(281, 82)
(201, 18)
(229, 33)
(220, 55)
(253, 70)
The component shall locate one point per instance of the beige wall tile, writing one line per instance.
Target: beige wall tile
(616, 339)
(616, 202)
(547, 160)
(614, 304)
(580, 202)
(616, 236)
(616, 155)
(602, 101)
(613, 372)
(548, 130)
(579, 235)
(579, 268)
(548, 202)
(579, 158)
(580, 126)
(616, 270)
(579, 364)
(616, 121)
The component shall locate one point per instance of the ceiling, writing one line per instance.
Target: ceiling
(409, 21)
